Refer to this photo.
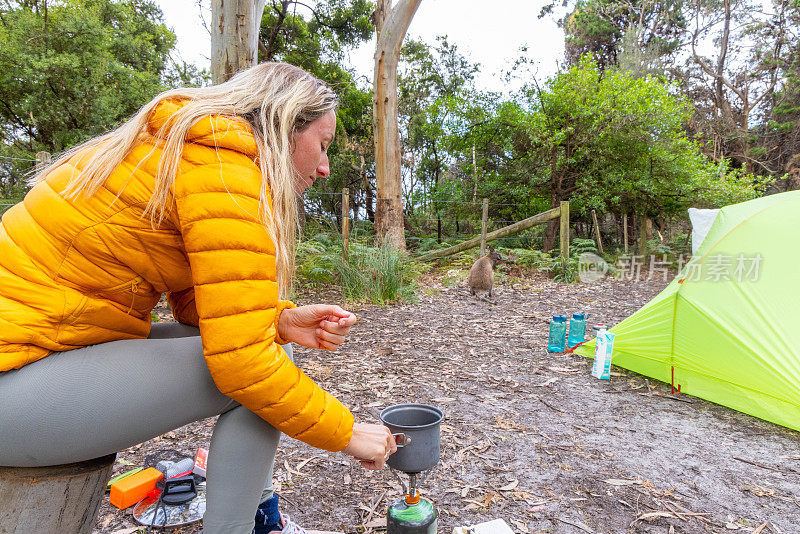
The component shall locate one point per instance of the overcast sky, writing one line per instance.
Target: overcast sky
(489, 33)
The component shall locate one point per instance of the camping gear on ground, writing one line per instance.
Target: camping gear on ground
(596, 328)
(132, 489)
(200, 462)
(558, 334)
(175, 469)
(152, 511)
(178, 490)
(604, 348)
(701, 220)
(411, 516)
(577, 330)
(420, 450)
(420, 423)
(126, 474)
(725, 329)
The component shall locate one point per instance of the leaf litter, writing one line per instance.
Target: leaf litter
(528, 436)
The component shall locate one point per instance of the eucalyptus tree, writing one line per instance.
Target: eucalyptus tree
(391, 24)
(318, 37)
(611, 141)
(70, 70)
(735, 59)
(434, 83)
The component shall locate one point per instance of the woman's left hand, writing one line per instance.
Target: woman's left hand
(318, 326)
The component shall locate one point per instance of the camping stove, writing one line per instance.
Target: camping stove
(416, 430)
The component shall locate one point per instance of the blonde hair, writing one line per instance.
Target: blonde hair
(277, 100)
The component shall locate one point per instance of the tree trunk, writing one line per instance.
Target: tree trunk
(234, 36)
(59, 498)
(551, 230)
(301, 213)
(391, 25)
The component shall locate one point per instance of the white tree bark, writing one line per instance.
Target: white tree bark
(234, 36)
(391, 25)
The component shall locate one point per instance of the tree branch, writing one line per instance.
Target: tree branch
(21, 122)
(706, 68)
(269, 50)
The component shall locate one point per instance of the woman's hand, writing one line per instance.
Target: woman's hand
(371, 445)
(318, 326)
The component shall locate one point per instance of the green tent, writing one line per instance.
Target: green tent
(727, 328)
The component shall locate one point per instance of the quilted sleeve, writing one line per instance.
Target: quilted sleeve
(183, 307)
(232, 259)
(282, 305)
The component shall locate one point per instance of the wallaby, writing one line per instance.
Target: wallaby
(481, 274)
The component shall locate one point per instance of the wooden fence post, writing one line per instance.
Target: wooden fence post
(483, 225)
(597, 232)
(43, 159)
(517, 227)
(345, 220)
(474, 179)
(564, 230)
(643, 224)
(625, 231)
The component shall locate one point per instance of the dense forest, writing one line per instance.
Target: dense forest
(659, 105)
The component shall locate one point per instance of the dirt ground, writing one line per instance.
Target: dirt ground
(528, 436)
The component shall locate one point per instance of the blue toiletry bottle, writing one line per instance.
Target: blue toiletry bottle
(577, 330)
(558, 333)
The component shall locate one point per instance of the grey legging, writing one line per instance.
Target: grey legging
(85, 403)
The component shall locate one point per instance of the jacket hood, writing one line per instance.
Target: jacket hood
(222, 131)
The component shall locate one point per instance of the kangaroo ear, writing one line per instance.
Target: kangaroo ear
(491, 249)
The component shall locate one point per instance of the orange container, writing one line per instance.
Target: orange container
(132, 489)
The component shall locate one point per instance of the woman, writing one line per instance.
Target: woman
(195, 197)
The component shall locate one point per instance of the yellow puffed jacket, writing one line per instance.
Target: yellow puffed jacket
(89, 270)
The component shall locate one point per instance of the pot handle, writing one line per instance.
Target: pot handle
(402, 439)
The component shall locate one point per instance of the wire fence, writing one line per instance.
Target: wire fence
(18, 159)
(311, 194)
(446, 228)
(13, 177)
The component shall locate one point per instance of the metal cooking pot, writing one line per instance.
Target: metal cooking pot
(420, 423)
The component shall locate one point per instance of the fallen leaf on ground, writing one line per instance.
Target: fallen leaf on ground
(565, 370)
(577, 524)
(546, 382)
(622, 482)
(510, 486)
(760, 491)
(304, 463)
(522, 527)
(650, 516)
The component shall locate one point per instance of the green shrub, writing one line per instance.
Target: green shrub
(533, 259)
(565, 270)
(426, 244)
(681, 245)
(372, 274)
(317, 258)
(376, 274)
(579, 246)
(452, 277)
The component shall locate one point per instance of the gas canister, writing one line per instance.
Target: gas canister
(411, 515)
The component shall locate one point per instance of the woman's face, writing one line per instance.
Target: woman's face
(310, 155)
